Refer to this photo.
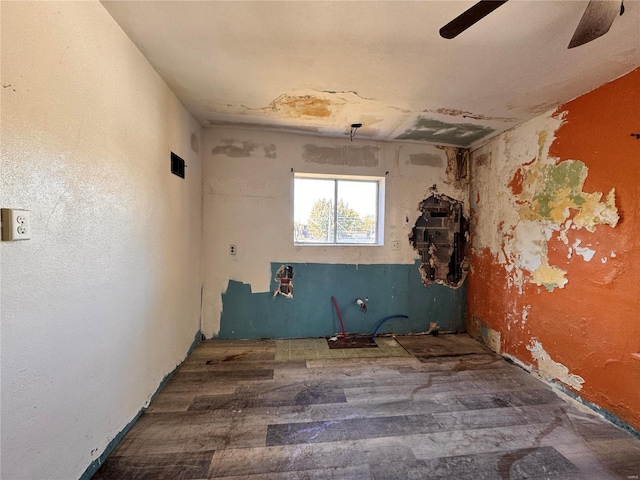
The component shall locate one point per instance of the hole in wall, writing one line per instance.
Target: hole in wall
(440, 236)
(284, 278)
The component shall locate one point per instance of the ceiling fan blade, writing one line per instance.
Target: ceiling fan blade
(468, 18)
(596, 21)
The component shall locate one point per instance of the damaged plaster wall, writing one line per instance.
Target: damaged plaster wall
(554, 232)
(248, 192)
(440, 237)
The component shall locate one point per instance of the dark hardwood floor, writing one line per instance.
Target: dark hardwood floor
(420, 408)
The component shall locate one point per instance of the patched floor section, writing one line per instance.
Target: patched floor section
(288, 409)
(317, 348)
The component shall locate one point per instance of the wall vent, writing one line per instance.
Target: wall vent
(177, 165)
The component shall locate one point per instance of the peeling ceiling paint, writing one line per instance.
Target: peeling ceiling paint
(290, 66)
(305, 105)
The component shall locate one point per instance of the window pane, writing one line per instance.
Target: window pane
(313, 210)
(357, 211)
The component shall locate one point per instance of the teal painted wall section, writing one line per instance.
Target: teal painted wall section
(392, 290)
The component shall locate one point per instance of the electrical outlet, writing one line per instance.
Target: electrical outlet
(16, 224)
(395, 245)
(232, 249)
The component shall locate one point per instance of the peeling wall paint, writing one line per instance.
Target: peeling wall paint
(249, 204)
(491, 339)
(555, 231)
(458, 166)
(545, 195)
(551, 370)
(390, 289)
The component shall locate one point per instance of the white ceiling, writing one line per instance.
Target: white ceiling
(317, 67)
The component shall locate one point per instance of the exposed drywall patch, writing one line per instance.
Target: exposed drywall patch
(284, 278)
(365, 156)
(245, 149)
(440, 236)
(430, 130)
(426, 159)
(552, 370)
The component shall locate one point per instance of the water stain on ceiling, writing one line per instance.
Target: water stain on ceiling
(305, 105)
(322, 66)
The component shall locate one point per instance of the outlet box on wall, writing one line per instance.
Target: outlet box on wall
(16, 224)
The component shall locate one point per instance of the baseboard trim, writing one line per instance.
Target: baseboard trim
(97, 463)
(607, 415)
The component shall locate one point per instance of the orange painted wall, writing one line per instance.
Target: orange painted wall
(592, 324)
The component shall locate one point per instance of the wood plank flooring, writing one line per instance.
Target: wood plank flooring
(421, 407)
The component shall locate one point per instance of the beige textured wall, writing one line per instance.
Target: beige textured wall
(104, 300)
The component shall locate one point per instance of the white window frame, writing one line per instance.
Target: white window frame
(379, 241)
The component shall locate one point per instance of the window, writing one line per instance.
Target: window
(338, 210)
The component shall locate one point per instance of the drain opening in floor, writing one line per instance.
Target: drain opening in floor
(352, 341)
